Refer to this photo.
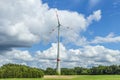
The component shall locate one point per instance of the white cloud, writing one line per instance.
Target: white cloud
(26, 22)
(86, 57)
(77, 27)
(17, 55)
(110, 58)
(51, 53)
(96, 16)
(110, 38)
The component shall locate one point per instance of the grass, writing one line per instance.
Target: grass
(98, 77)
(81, 77)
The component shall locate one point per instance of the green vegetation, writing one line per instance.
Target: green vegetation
(100, 70)
(87, 77)
(81, 77)
(50, 71)
(19, 71)
(97, 77)
(22, 72)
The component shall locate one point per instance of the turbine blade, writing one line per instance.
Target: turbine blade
(57, 18)
(67, 27)
(47, 59)
(53, 30)
(70, 61)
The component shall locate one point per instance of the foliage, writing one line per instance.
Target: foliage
(113, 69)
(66, 71)
(81, 77)
(50, 71)
(19, 71)
(22, 71)
(100, 70)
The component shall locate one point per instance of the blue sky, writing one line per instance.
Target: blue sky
(109, 22)
(27, 36)
(110, 13)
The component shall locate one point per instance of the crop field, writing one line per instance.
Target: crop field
(81, 77)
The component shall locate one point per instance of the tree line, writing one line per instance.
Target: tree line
(100, 70)
(20, 71)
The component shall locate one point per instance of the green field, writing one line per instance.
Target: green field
(98, 77)
(82, 77)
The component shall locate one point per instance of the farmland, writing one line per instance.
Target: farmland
(81, 77)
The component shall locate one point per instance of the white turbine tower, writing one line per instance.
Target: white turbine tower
(58, 69)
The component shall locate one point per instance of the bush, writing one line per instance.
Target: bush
(20, 71)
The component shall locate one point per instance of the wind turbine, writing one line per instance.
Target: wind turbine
(58, 69)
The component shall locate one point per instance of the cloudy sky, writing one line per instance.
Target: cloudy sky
(89, 35)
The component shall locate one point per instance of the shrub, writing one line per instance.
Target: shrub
(20, 71)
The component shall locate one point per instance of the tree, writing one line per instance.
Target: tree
(50, 71)
(19, 71)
